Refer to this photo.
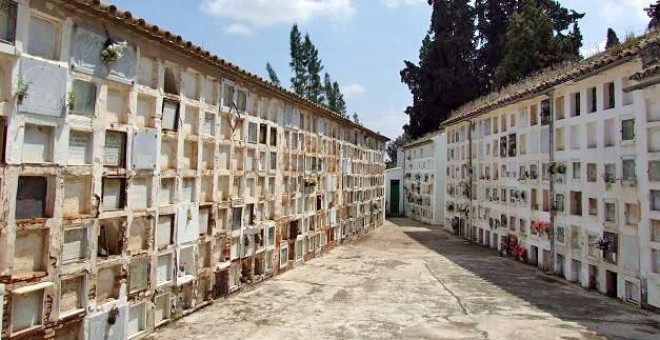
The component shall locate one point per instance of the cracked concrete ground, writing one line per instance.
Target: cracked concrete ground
(408, 280)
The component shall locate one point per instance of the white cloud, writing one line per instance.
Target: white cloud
(614, 10)
(264, 13)
(353, 90)
(397, 3)
(237, 28)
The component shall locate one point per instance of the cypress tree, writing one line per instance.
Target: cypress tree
(493, 17)
(653, 11)
(612, 39)
(313, 87)
(446, 77)
(299, 78)
(340, 105)
(272, 75)
(529, 45)
(330, 98)
(562, 20)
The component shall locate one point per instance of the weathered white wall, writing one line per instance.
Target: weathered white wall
(390, 175)
(590, 138)
(426, 158)
(112, 161)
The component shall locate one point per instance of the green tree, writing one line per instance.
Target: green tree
(313, 65)
(330, 97)
(653, 11)
(446, 77)
(567, 35)
(494, 17)
(272, 74)
(393, 147)
(356, 118)
(529, 45)
(340, 105)
(334, 99)
(306, 80)
(612, 39)
(298, 67)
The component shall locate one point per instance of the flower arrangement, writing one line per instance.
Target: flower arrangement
(603, 244)
(464, 209)
(519, 252)
(608, 178)
(21, 89)
(561, 168)
(539, 227)
(310, 182)
(182, 267)
(113, 50)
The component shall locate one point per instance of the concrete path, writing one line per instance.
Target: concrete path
(408, 280)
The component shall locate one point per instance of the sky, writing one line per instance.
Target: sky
(362, 43)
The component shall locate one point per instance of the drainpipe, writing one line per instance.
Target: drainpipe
(553, 212)
(470, 173)
(402, 185)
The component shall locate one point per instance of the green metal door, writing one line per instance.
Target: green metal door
(394, 197)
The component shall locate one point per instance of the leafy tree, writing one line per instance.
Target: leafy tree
(494, 17)
(272, 75)
(653, 11)
(314, 87)
(299, 78)
(563, 20)
(612, 39)
(529, 45)
(446, 77)
(306, 80)
(392, 149)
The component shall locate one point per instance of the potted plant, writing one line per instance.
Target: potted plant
(561, 168)
(21, 89)
(71, 100)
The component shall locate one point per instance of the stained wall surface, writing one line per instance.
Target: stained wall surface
(141, 187)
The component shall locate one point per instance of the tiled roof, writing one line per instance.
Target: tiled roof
(117, 16)
(646, 73)
(547, 79)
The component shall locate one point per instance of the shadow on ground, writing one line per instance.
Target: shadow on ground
(601, 315)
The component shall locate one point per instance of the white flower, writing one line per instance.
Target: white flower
(114, 51)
